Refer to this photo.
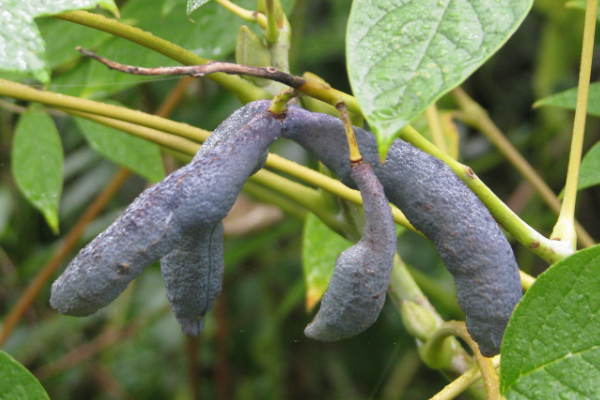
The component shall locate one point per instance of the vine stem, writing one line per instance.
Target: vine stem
(355, 155)
(463, 382)
(476, 116)
(248, 15)
(456, 328)
(435, 126)
(403, 288)
(564, 229)
(271, 30)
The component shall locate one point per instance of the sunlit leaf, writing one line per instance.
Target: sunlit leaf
(37, 163)
(403, 55)
(551, 348)
(22, 50)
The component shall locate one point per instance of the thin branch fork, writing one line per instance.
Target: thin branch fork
(201, 70)
(309, 87)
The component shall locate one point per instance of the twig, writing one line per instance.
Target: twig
(312, 88)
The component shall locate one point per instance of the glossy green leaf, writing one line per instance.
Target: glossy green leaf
(62, 37)
(140, 156)
(403, 55)
(321, 247)
(22, 50)
(568, 100)
(192, 5)
(589, 174)
(17, 383)
(37, 163)
(551, 348)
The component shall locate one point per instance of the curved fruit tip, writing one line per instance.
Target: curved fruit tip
(192, 326)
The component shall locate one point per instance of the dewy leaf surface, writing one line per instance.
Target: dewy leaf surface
(320, 248)
(22, 50)
(140, 156)
(17, 383)
(551, 348)
(37, 163)
(404, 54)
(194, 4)
(568, 100)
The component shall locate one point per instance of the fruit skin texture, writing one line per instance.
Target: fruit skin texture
(464, 233)
(181, 214)
(357, 289)
(439, 205)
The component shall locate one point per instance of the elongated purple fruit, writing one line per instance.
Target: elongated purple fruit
(438, 204)
(357, 289)
(193, 274)
(186, 205)
(466, 236)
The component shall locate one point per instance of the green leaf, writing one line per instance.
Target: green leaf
(17, 383)
(551, 347)
(62, 37)
(212, 36)
(23, 50)
(37, 163)
(568, 100)
(403, 55)
(139, 155)
(589, 174)
(321, 247)
(192, 5)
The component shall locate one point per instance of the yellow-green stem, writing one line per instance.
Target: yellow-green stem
(237, 10)
(564, 229)
(279, 102)
(355, 155)
(473, 114)
(271, 32)
(435, 126)
(459, 385)
(456, 328)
